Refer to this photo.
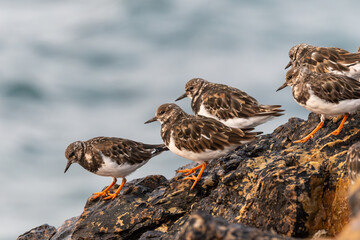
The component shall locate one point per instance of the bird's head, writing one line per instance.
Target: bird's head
(74, 153)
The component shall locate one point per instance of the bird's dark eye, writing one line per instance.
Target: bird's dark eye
(162, 112)
(71, 154)
(190, 88)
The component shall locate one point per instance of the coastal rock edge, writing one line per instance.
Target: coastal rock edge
(269, 188)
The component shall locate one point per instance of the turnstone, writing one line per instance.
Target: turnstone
(110, 156)
(228, 105)
(325, 60)
(323, 93)
(197, 138)
(353, 161)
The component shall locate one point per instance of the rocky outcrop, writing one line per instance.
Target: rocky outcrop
(270, 188)
(42, 232)
(204, 226)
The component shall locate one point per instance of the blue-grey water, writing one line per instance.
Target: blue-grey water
(72, 70)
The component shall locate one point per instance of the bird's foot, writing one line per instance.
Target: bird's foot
(189, 171)
(195, 179)
(305, 139)
(99, 194)
(338, 130)
(111, 196)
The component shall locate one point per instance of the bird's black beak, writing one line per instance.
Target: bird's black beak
(181, 97)
(288, 65)
(151, 120)
(282, 86)
(67, 166)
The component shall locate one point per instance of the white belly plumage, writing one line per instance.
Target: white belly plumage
(112, 169)
(201, 157)
(320, 106)
(237, 122)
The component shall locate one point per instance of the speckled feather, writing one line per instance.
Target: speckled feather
(353, 161)
(226, 102)
(326, 60)
(330, 87)
(122, 151)
(198, 133)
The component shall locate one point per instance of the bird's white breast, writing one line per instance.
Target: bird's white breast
(201, 157)
(320, 106)
(111, 168)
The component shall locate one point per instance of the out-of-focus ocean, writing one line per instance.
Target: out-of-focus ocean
(72, 70)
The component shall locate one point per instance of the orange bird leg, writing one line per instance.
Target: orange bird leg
(305, 139)
(103, 193)
(189, 171)
(114, 195)
(196, 179)
(337, 131)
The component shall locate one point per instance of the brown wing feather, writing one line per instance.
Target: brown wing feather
(333, 54)
(325, 59)
(226, 102)
(201, 133)
(124, 150)
(334, 88)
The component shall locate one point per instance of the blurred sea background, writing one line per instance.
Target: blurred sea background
(75, 69)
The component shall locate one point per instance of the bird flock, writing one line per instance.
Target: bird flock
(324, 80)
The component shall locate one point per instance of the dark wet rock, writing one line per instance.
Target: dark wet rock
(152, 235)
(203, 226)
(43, 232)
(269, 186)
(65, 231)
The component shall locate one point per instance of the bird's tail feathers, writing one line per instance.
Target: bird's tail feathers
(271, 110)
(157, 148)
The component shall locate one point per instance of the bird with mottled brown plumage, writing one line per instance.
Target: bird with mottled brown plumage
(323, 93)
(325, 60)
(197, 138)
(231, 106)
(111, 156)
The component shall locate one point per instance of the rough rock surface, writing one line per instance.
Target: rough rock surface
(352, 230)
(204, 226)
(281, 188)
(65, 231)
(42, 232)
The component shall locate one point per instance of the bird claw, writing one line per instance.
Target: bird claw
(111, 196)
(191, 178)
(305, 139)
(195, 179)
(99, 194)
(188, 171)
(336, 132)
